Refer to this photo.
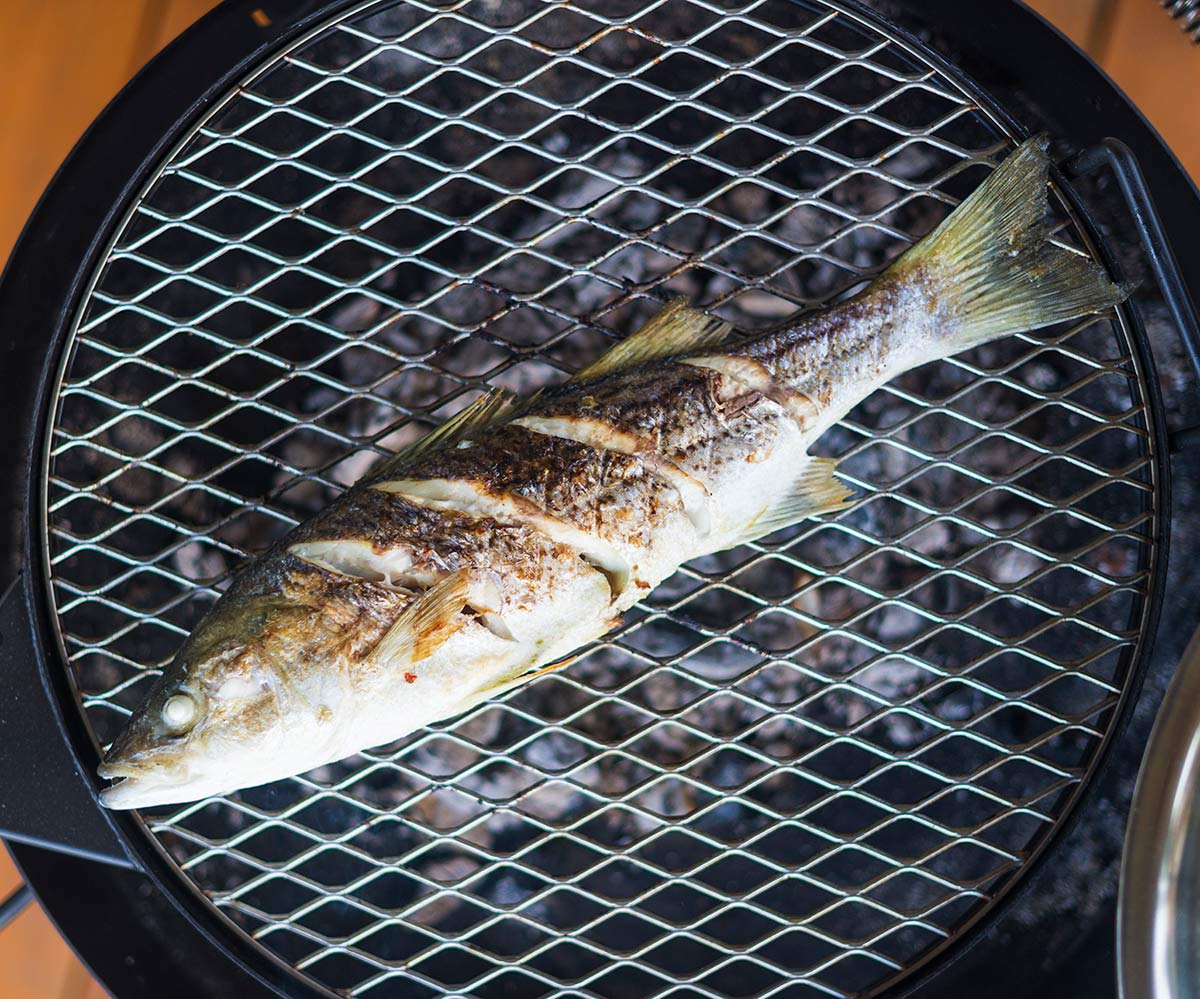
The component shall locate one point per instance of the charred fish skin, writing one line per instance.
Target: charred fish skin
(616, 497)
(519, 531)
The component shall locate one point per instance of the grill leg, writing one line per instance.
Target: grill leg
(14, 905)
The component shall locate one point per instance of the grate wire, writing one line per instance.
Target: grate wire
(800, 766)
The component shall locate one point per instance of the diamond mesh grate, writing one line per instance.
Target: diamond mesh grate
(801, 764)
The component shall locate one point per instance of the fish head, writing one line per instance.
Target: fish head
(217, 719)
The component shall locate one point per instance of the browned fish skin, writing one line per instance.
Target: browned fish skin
(440, 541)
(699, 419)
(614, 496)
(673, 406)
(854, 343)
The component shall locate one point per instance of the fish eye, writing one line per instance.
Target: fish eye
(180, 711)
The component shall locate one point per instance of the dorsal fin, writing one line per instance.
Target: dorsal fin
(494, 407)
(674, 329)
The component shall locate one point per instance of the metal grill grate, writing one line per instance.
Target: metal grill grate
(802, 764)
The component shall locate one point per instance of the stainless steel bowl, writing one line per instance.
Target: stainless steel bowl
(1159, 927)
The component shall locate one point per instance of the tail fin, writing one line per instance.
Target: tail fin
(992, 264)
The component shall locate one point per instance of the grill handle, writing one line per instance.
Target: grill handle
(47, 797)
(1187, 13)
(1119, 158)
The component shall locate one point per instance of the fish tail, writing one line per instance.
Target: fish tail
(991, 264)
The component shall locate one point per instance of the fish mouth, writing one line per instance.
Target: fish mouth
(113, 769)
(148, 789)
(132, 793)
(143, 783)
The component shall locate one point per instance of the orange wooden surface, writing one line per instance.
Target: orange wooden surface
(1162, 75)
(1147, 56)
(64, 60)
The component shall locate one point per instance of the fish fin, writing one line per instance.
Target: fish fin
(494, 407)
(815, 491)
(674, 329)
(992, 265)
(515, 679)
(427, 623)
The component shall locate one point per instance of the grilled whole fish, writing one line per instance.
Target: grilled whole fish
(519, 531)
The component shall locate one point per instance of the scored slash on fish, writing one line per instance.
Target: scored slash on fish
(485, 554)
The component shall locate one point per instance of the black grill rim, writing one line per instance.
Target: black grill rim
(74, 222)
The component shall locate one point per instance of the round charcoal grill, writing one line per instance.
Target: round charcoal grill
(813, 765)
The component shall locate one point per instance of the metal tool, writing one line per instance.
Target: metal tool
(1187, 13)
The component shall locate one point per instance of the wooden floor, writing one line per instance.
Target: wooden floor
(65, 59)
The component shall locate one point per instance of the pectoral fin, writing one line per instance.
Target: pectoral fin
(427, 623)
